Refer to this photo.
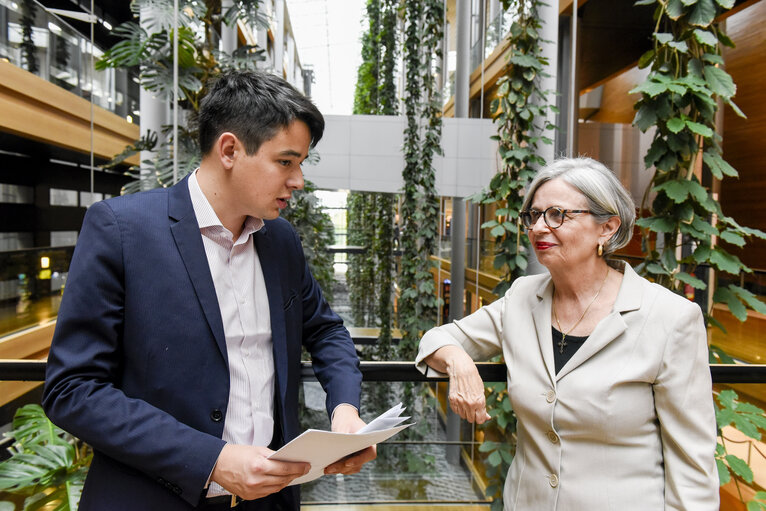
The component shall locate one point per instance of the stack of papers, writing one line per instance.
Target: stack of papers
(323, 448)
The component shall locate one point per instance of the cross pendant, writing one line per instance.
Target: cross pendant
(562, 344)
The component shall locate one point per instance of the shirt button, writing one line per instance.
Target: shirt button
(553, 437)
(554, 480)
(550, 396)
(216, 415)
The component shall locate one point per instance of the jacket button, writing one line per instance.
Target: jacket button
(550, 396)
(553, 437)
(554, 480)
(216, 415)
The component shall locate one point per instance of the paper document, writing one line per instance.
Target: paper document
(323, 448)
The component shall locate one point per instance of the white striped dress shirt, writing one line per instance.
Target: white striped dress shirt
(244, 306)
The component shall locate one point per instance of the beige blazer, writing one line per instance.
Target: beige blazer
(626, 425)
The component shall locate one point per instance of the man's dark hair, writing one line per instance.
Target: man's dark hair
(254, 106)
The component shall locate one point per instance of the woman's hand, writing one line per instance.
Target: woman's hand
(466, 388)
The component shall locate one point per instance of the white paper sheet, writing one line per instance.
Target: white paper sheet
(323, 448)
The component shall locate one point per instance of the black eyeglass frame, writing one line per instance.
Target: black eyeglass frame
(527, 222)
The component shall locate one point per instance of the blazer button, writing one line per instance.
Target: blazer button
(554, 480)
(553, 437)
(216, 415)
(550, 396)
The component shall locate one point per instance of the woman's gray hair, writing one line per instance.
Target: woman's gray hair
(605, 194)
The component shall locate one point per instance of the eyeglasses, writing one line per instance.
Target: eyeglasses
(553, 216)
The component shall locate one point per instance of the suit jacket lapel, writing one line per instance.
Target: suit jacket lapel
(541, 314)
(271, 264)
(612, 326)
(188, 239)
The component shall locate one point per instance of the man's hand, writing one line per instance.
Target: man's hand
(245, 471)
(346, 420)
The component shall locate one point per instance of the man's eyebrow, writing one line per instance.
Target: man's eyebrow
(290, 152)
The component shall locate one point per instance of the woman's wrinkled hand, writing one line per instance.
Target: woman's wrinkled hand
(466, 388)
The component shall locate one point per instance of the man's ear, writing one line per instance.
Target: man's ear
(227, 146)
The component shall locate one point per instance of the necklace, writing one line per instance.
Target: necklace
(562, 343)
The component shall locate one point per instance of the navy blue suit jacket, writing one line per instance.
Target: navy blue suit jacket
(138, 365)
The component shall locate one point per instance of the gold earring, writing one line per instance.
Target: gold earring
(600, 249)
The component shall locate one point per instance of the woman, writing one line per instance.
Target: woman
(607, 372)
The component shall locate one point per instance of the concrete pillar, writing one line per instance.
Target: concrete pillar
(153, 111)
(457, 268)
(228, 33)
(279, 36)
(549, 34)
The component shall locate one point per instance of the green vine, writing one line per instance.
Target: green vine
(680, 99)
(517, 111)
(371, 215)
(418, 304)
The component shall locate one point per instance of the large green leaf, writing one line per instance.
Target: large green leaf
(656, 224)
(717, 165)
(699, 129)
(739, 467)
(725, 295)
(691, 280)
(703, 13)
(723, 471)
(719, 81)
(675, 125)
(32, 426)
(705, 37)
(675, 9)
(650, 87)
(749, 298)
(526, 61)
(646, 117)
(733, 237)
(680, 46)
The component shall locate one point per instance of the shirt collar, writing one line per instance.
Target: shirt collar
(205, 214)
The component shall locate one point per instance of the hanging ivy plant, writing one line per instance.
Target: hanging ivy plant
(418, 304)
(679, 100)
(370, 218)
(519, 111)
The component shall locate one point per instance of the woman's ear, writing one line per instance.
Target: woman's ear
(609, 228)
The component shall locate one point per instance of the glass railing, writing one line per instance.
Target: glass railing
(31, 284)
(424, 465)
(58, 53)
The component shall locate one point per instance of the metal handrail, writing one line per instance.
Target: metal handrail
(34, 370)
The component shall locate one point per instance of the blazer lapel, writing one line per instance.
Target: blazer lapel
(612, 326)
(541, 314)
(271, 264)
(188, 239)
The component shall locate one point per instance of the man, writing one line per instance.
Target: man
(177, 348)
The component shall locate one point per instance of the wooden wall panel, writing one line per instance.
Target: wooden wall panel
(34, 108)
(743, 198)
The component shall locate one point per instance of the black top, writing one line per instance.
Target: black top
(571, 345)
